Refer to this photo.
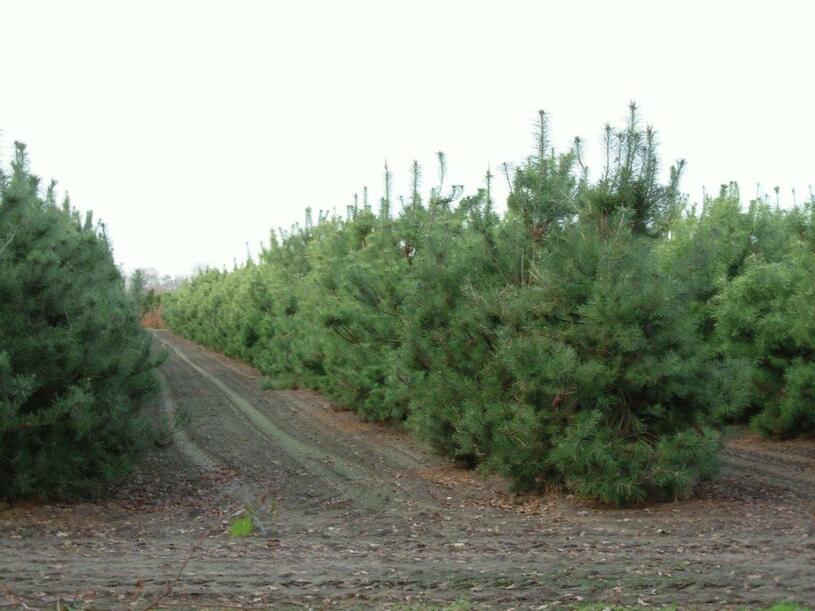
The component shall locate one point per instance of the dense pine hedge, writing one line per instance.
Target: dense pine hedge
(74, 363)
(595, 335)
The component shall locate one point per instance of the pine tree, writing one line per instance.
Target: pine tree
(75, 367)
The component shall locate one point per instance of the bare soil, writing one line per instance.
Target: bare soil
(352, 514)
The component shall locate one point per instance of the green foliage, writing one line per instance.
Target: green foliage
(766, 318)
(573, 340)
(241, 527)
(74, 364)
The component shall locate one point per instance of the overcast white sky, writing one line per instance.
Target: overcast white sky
(193, 127)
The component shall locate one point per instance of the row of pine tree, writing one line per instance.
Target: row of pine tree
(596, 336)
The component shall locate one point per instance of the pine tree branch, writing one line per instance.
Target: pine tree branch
(8, 242)
(377, 308)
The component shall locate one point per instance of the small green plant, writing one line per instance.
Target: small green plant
(251, 517)
(241, 526)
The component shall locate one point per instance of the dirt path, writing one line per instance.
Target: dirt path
(353, 514)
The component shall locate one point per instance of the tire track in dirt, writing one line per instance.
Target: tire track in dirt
(214, 424)
(295, 411)
(350, 473)
(188, 448)
(766, 470)
(302, 452)
(791, 454)
(310, 406)
(234, 488)
(306, 406)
